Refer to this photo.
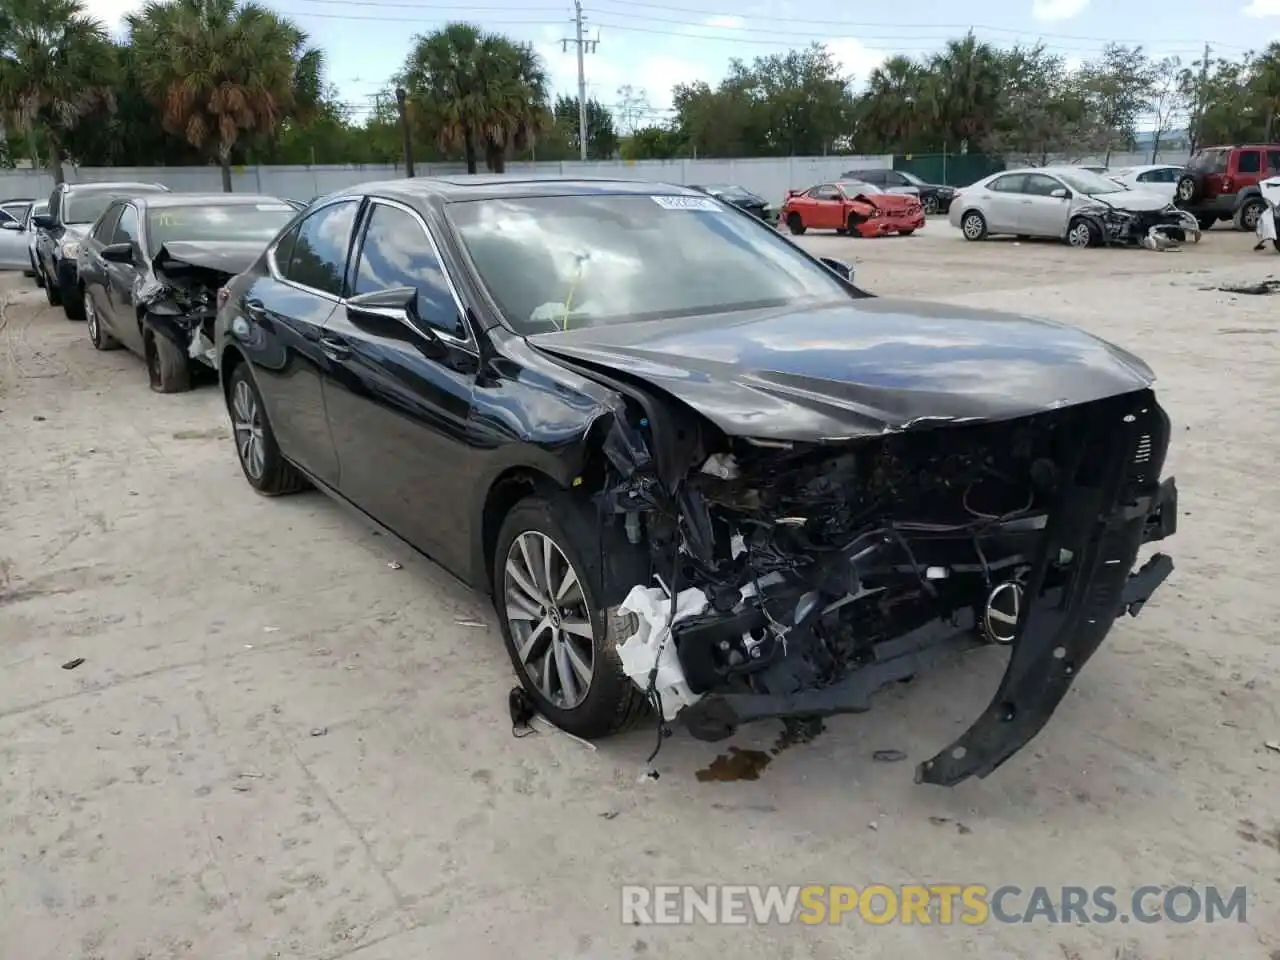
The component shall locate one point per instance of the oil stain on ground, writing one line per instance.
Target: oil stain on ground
(740, 764)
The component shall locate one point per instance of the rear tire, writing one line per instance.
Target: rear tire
(612, 702)
(1246, 218)
(906, 233)
(168, 368)
(795, 224)
(266, 469)
(100, 339)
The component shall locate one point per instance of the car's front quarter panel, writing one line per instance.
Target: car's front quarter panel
(531, 416)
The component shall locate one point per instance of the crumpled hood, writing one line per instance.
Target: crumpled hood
(1138, 201)
(869, 367)
(892, 202)
(74, 231)
(225, 256)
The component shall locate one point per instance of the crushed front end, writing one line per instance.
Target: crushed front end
(797, 579)
(179, 300)
(1161, 229)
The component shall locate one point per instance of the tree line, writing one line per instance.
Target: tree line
(232, 83)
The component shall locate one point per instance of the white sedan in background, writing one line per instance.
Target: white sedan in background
(1160, 177)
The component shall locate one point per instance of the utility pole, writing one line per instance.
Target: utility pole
(584, 47)
(403, 109)
(1193, 135)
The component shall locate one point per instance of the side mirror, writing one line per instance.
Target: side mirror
(13, 225)
(386, 313)
(838, 267)
(1060, 193)
(118, 252)
(43, 221)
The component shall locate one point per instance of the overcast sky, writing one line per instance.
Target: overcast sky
(653, 45)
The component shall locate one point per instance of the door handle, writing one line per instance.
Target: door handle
(335, 348)
(255, 306)
(1028, 202)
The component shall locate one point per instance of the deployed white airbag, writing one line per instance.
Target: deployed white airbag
(651, 643)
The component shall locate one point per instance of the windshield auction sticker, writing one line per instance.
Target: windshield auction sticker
(688, 203)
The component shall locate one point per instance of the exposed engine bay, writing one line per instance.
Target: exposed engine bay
(795, 579)
(180, 296)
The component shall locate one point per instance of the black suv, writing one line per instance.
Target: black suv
(73, 208)
(934, 197)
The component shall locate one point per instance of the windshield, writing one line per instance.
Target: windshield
(86, 207)
(554, 263)
(1082, 181)
(912, 179)
(239, 221)
(853, 188)
(1209, 161)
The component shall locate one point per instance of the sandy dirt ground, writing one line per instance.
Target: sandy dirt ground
(289, 735)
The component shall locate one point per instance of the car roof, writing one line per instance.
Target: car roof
(113, 186)
(209, 199)
(463, 187)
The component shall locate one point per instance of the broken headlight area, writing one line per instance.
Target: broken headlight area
(1152, 229)
(796, 580)
(183, 308)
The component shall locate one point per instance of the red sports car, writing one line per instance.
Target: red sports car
(849, 206)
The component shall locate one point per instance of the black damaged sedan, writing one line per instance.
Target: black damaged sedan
(150, 268)
(703, 474)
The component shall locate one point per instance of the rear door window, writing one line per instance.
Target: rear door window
(319, 257)
(1010, 183)
(827, 191)
(1249, 161)
(1209, 161)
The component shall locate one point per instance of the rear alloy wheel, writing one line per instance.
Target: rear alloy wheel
(546, 588)
(930, 206)
(1081, 234)
(100, 339)
(795, 224)
(264, 466)
(974, 226)
(1185, 192)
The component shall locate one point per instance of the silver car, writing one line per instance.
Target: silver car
(1057, 202)
(13, 242)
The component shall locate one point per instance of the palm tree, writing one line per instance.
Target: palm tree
(968, 82)
(895, 111)
(223, 73)
(56, 67)
(477, 92)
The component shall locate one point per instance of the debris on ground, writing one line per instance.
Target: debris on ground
(1273, 745)
(270, 629)
(889, 756)
(1261, 288)
(395, 565)
(72, 664)
(319, 731)
(468, 623)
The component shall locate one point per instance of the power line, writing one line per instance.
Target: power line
(583, 47)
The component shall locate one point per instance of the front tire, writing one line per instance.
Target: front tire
(266, 469)
(974, 226)
(72, 302)
(906, 233)
(1082, 233)
(168, 369)
(1246, 217)
(930, 206)
(547, 588)
(795, 224)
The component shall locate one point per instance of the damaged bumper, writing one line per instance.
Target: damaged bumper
(1153, 230)
(886, 224)
(808, 588)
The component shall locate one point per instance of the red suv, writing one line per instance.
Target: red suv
(1215, 186)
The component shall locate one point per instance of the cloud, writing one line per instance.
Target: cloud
(1053, 10)
(111, 12)
(1262, 8)
(725, 22)
(856, 59)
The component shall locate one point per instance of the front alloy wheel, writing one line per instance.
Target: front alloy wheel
(931, 205)
(246, 420)
(548, 619)
(1080, 234)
